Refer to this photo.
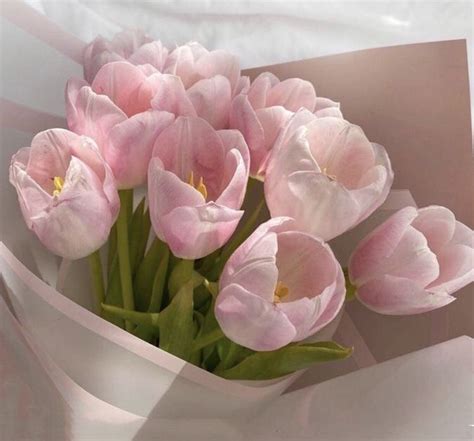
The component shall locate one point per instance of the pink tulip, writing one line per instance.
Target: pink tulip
(132, 46)
(280, 286)
(413, 261)
(261, 110)
(193, 62)
(66, 191)
(196, 185)
(326, 175)
(116, 112)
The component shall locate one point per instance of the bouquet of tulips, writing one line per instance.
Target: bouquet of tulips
(189, 266)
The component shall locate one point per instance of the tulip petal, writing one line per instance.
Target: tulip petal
(49, 156)
(437, 224)
(306, 264)
(302, 313)
(379, 244)
(211, 100)
(119, 81)
(93, 115)
(188, 145)
(153, 53)
(219, 62)
(243, 118)
(131, 145)
(79, 221)
(257, 272)
(171, 96)
(195, 232)
(251, 321)
(235, 181)
(399, 296)
(166, 192)
(292, 94)
(456, 269)
(326, 107)
(257, 94)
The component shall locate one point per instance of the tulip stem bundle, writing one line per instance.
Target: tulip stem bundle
(124, 254)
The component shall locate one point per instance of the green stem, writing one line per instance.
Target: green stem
(350, 288)
(229, 358)
(124, 254)
(95, 267)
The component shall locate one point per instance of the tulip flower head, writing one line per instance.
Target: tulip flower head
(196, 185)
(413, 262)
(326, 175)
(261, 110)
(280, 286)
(132, 46)
(66, 191)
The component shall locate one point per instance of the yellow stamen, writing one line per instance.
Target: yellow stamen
(58, 185)
(331, 177)
(200, 186)
(281, 291)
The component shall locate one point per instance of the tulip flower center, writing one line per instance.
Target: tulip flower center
(281, 291)
(325, 173)
(58, 185)
(200, 185)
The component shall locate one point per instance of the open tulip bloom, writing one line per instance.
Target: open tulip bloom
(191, 267)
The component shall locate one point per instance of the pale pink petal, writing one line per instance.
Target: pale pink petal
(153, 53)
(119, 81)
(94, 64)
(259, 89)
(411, 259)
(272, 119)
(188, 145)
(437, 224)
(302, 313)
(180, 62)
(398, 296)
(306, 264)
(128, 41)
(236, 169)
(166, 192)
(49, 156)
(211, 100)
(170, 95)
(314, 200)
(79, 221)
(242, 86)
(243, 118)
(93, 115)
(195, 232)
(235, 181)
(326, 107)
(131, 144)
(456, 264)
(219, 62)
(251, 321)
(32, 198)
(257, 270)
(379, 244)
(292, 94)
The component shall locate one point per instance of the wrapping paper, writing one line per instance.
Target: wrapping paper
(70, 374)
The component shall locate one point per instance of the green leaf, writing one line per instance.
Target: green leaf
(139, 230)
(181, 274)
(177, 325)
(159, 283)
(150, 319)
(291, 358)
(210, 331)
(145, 276)
(350, 288)
(113, 295)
